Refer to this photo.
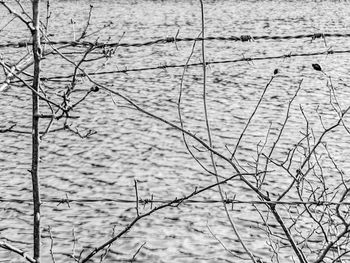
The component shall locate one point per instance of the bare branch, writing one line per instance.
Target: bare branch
(155, 209)
(13, 12)
(17, 251)
(251, 117)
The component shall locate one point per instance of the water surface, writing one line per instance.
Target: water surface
(129, 145)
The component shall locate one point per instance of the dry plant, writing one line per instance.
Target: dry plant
(308, 220)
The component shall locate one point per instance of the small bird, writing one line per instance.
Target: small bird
(317, 67)
(275, 72)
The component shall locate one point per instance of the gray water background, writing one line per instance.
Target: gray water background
(129, 145)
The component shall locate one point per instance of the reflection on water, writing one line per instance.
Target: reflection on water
(129, 145)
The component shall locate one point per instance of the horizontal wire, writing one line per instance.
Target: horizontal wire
(160, 201)
(242, 38)
(163, 67)
(245, 59)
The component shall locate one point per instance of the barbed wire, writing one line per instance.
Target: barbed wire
(242, 38)
(165, 66)
(163, 201)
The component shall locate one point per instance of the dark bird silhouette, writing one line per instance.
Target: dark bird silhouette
(317, 67)
(275, 72)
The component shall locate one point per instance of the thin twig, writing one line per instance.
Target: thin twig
(204, 65)
(251, 117)
(137, 252)
(51, 245)
(137, 198)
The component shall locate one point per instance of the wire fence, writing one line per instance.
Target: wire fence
(233, 201)
(175, 39)
(242, 38)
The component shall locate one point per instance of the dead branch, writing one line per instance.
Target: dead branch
(150, 212)
(251, 117)
(17, 251)
(206, 118)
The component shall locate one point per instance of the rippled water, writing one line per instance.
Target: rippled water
(129, 145)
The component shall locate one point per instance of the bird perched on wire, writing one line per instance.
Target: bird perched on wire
(317, 67)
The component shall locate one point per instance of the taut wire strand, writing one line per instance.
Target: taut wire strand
(242, 38)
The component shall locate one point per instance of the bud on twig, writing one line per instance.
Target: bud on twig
(95, 88)
(317, 67)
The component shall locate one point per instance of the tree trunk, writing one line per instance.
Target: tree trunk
(35, 130)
